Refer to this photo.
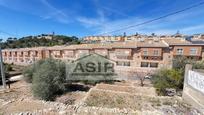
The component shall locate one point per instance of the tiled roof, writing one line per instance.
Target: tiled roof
(198, 42)
(151, 43)
(183, 42)
(175, 41)
(124, 45)
(25, 49)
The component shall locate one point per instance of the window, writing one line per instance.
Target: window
(144, 64)
(121, 63)
(126, 63)
(193, 51)
(122, 57)
(156, 52)
(145, 57)
(122, 53)
(145, 52)
(179, 51)
(155, 58)
(154, 65)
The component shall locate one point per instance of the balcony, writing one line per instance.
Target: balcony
(33, 53)
(124, 57)
(149, 64)
(152, 57)
(26, 54)
(124, 54)
(151, 54)
(20, 54)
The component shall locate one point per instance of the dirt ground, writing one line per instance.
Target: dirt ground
(128, 89)
(131, 95)
(19, 99)
(122, 95)
(18, 90)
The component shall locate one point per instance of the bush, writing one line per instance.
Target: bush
(174, 78)
(198, 65)
(28, 74)
(8, 67)
(30, 70)
(167, 78)
(180, 62)
(47, 78)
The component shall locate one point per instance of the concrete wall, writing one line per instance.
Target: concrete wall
(193, 91)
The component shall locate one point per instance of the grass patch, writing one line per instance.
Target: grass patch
(114, 100)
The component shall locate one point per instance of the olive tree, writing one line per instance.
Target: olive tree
(48, 77)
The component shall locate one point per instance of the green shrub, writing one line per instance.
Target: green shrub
(8, 67)
(28, 74)
(198, 65)
(174, 78)
(179, 63)
(30, 70)
(47, 78)
(167, 78)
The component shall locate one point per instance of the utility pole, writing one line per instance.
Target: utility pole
(2, 70)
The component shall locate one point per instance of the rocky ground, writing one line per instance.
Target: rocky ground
(105, 99)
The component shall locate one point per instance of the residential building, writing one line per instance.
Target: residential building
(147, 53)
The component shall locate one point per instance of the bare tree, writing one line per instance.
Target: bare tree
(140, 74)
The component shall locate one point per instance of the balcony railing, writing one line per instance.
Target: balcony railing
(125, 57)
(152, 57)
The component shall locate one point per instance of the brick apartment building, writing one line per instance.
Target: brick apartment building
(143, 54)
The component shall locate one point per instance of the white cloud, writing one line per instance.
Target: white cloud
(55, 13)
(102, 26)
(102, 23)
(169, 25)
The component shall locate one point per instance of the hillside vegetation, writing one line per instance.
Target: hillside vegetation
(33, 41)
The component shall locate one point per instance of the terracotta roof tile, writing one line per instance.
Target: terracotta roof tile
(175, 41)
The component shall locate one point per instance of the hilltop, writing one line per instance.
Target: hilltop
(35, 41)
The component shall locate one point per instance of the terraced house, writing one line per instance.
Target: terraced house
(148, 53)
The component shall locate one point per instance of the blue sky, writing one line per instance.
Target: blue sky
(92, 17)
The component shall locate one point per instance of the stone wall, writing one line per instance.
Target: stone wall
(193, 91)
